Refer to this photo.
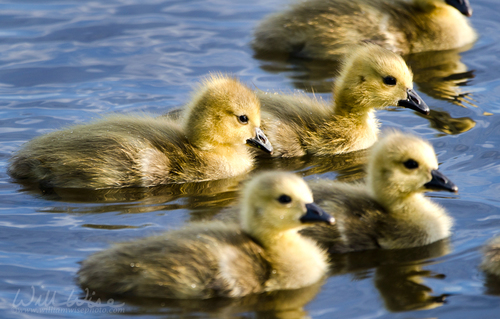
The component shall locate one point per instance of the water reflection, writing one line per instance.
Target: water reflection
(442, 75)
(284, 304)
(349, 166)
(204, 199)
(399, 274)
(403, 288)
(207, 196)
(439, 74)
(443, 122)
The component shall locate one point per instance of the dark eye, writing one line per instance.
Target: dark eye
(284, 199)
(243, 119)
(410, 164)
(390, 80)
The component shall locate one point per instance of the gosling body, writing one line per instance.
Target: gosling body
(371, 78)
(126, 150)
(491, 257)
(322, 29)
(389, 211)
(264, 253)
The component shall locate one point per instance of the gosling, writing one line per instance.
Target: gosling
(371, 78)
(389, 211)
(215, 259)
(491, 258)
(324, 29)
(222, 119)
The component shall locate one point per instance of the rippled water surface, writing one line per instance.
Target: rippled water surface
(66, 62)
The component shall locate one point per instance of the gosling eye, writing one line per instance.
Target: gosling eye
(390, 80)
(411, 164)
(243, 119)
(284, 199)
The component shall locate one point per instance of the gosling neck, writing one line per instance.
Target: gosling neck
(397, 202)
(389, 196)
(352, 104)
(296, 261)
(228, 160)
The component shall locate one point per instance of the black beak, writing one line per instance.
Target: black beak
(439, 182)
(315, 214)
(260, 141)
(461, 5)
(414, 102)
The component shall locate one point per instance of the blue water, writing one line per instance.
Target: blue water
(67, 62)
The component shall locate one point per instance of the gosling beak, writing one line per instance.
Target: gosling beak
(439, 182)
(461, 5)
(260, 141)
(315, 214)
(414, 102)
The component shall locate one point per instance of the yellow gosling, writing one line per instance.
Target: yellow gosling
(491, 259)
(205, 260)
(324, 29)
(371, 78)
(389, 211)
(220, 122)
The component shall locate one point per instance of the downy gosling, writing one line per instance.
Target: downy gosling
(220, 122)
(491, 258)
(389, 211)
(371, 78)
(204, 260)
(324, 29)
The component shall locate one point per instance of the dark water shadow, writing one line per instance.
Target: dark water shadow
(491, 284)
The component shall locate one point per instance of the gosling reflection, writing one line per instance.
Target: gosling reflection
(442, 75)
(193, 192)
(204, 200)
(399, 275)
(439, 74)
(282, 304)
(443, 122)
(348, 166)
(403, 288)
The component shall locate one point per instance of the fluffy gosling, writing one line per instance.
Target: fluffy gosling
(215, 259)
(324, 29)
(389, 211)
(371, 78)
(491, 258)
(211, 143)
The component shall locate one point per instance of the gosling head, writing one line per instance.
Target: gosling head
(461, 5)
(224, 113)
(274, 202)
(374, 77)
(401, 165)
